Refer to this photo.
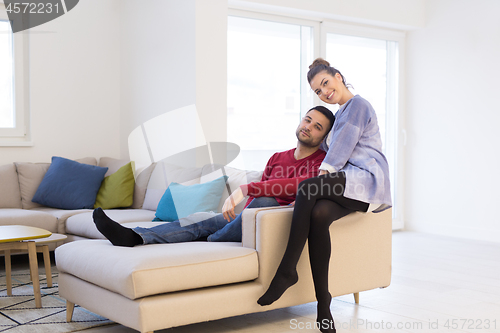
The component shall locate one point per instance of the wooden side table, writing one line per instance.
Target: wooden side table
(13, 237)
(42, 246)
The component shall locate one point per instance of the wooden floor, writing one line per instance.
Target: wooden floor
(439, 284)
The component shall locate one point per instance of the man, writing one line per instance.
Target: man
(278, 187)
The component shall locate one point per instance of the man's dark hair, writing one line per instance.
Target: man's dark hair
(327, 113)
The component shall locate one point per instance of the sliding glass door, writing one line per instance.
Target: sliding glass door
(268, 93)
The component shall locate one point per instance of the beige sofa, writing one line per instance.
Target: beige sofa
(159, 286)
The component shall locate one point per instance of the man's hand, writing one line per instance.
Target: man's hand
(323, 172)
(234, 199)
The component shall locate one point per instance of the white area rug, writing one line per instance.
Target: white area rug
(18, 313)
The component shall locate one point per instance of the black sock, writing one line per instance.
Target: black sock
(117, 234)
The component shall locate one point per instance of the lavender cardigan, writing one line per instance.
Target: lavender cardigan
(354, 146)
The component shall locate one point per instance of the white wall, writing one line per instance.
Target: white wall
(211, 67)
(173, 54)
(74, 86)
(452, 120)
(157, 66)
(106, 67)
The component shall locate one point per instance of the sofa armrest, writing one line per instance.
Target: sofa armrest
(249, 222)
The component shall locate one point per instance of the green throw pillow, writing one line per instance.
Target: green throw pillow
(117, 189)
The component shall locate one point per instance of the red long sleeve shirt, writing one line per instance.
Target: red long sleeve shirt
(282, 176)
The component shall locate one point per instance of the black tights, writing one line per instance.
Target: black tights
(319, 202)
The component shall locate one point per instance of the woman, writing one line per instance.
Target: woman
(354, 176)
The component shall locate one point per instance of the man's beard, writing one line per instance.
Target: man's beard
(309, 143)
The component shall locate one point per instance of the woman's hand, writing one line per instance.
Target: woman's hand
(323, 172)
(228, 208)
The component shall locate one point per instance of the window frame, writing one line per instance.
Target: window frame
(20, 134)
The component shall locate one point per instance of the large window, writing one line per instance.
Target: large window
(268, 89)
(14, 113)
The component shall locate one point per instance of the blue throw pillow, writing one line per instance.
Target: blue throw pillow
(180, 201)
(69, 185)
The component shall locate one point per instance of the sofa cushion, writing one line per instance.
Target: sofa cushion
(180, 201)
(141, 179)
(31, 175)
(83, 224)
(10, 194)
(161, 177)
(146, 270)
(28, 218)
(69, 184)
(61, 215)
(112, 164)
(237, 177)
(117, 189)
(141, 184)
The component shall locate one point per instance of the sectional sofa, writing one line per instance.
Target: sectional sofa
(159, 286)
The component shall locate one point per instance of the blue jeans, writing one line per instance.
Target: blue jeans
(214, 229)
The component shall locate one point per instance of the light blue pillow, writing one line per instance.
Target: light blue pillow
(180, 201)
(69, 185)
